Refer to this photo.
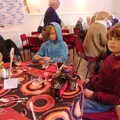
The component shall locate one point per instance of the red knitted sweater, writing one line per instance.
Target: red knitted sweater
(106, 84)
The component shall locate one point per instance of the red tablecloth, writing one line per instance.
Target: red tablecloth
(45, 106)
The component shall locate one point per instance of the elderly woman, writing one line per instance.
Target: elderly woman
(50, 14)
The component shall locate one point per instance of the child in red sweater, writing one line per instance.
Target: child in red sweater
(103, 90)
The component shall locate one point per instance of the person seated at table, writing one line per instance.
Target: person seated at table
(3, 49)
(54, 48)
(102, 91)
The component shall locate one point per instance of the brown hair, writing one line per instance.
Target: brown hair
(114, 32)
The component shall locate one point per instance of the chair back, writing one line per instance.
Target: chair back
(24, 40)
(34, 33)
(35, 44)
(65, 31)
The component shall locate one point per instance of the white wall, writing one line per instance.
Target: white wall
(85, 6)
(117, 7)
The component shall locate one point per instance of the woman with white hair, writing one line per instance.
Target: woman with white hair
(50, 14)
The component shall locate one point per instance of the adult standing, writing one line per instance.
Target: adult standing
(95, 43)
(50, 14)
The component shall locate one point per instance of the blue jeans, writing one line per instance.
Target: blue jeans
(91, 106)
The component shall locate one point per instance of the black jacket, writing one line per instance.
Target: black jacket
(4, 50)
(51, 16)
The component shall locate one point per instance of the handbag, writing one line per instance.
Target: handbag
(40, 27)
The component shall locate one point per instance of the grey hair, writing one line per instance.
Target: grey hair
(53, 2)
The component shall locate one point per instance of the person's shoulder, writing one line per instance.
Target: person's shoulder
(97, 24)
(97, 27)
(50, 9)
(113, 60)
(47, 42)
(64, 44)
(116, 63)
(1, 38)
(109, 58)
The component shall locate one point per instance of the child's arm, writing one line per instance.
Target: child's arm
(37, 57)
(88, 93)
(118, 111)
(107, 97)
(39, 54)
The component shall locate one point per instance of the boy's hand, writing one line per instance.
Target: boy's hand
(37, 57)
(47, 58)
(118, 111)
(88, 93)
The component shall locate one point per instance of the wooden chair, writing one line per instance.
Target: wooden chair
(34, 33)
(70, 44)
(25, 45)
(65, 31)
(34, 43)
